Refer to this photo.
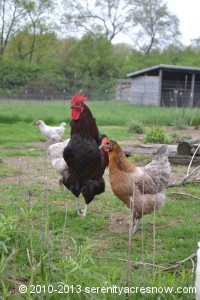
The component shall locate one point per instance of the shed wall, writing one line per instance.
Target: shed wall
(145, 90)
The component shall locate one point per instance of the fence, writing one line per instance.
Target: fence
(47, 91)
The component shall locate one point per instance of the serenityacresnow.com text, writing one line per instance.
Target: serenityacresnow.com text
(114, 289)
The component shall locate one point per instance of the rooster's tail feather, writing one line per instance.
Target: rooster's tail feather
(92, 188)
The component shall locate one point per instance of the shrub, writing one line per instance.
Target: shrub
(135, 127)
(179, 124)
(156, 135)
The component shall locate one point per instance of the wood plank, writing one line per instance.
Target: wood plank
(150, 149)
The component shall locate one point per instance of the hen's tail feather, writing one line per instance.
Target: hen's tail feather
(161, 151)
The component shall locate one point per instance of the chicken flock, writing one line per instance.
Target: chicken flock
(82, 159)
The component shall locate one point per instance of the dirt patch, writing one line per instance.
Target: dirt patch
(35, 170)
(119, 222)
(32, 170)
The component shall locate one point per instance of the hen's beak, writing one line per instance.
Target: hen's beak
(101, 146)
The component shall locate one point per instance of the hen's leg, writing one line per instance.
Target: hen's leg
(136, 224)
(61, 182)
(78, 207)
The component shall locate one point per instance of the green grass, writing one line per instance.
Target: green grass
(109, 113)
(44, 242)
(65, 248)
(6, 171)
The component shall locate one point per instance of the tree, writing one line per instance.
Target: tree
(93, 65)
(20, 47)
(154, 26)
(27, 16)
(37, 21)
(11, 13)
(107, 17)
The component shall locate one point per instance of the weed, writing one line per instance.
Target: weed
(135, 127)
(175, 137)
(7, 230)
(179, 124)
(156, 135)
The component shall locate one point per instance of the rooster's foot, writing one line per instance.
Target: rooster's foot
(80, 212)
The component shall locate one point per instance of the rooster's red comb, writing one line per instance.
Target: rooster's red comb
(78, 97)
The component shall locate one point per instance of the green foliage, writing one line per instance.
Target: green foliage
(7, 231)
(14, 74)
(156, 135)
(180, 124)
(135, 127)
(79, 268)
(94, 61)
(91, 63)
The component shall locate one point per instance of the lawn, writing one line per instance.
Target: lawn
(110, 113)
(56, 254)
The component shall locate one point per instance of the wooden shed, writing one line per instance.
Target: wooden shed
(165, 85)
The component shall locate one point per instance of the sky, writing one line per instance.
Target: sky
(188, 13)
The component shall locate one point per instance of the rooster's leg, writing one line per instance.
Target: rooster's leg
(78, 207)
(136, 224)
(79, 211)
(85, 211)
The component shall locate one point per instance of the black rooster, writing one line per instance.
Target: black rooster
(86, 163)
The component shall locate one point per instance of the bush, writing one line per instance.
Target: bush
(179, 124)
(135, 127)
(156, 135)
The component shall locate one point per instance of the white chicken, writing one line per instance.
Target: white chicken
(56, 150)
(55, 154)
(51, 133)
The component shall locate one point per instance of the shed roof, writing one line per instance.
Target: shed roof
(164, 67)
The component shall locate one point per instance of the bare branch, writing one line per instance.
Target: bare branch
(178, 264)
(107, 18)
(183, 194)
(192, 159)
(164, 269)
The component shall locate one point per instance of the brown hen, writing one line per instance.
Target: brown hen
(144, 186)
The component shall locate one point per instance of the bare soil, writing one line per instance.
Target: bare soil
(38, 169)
